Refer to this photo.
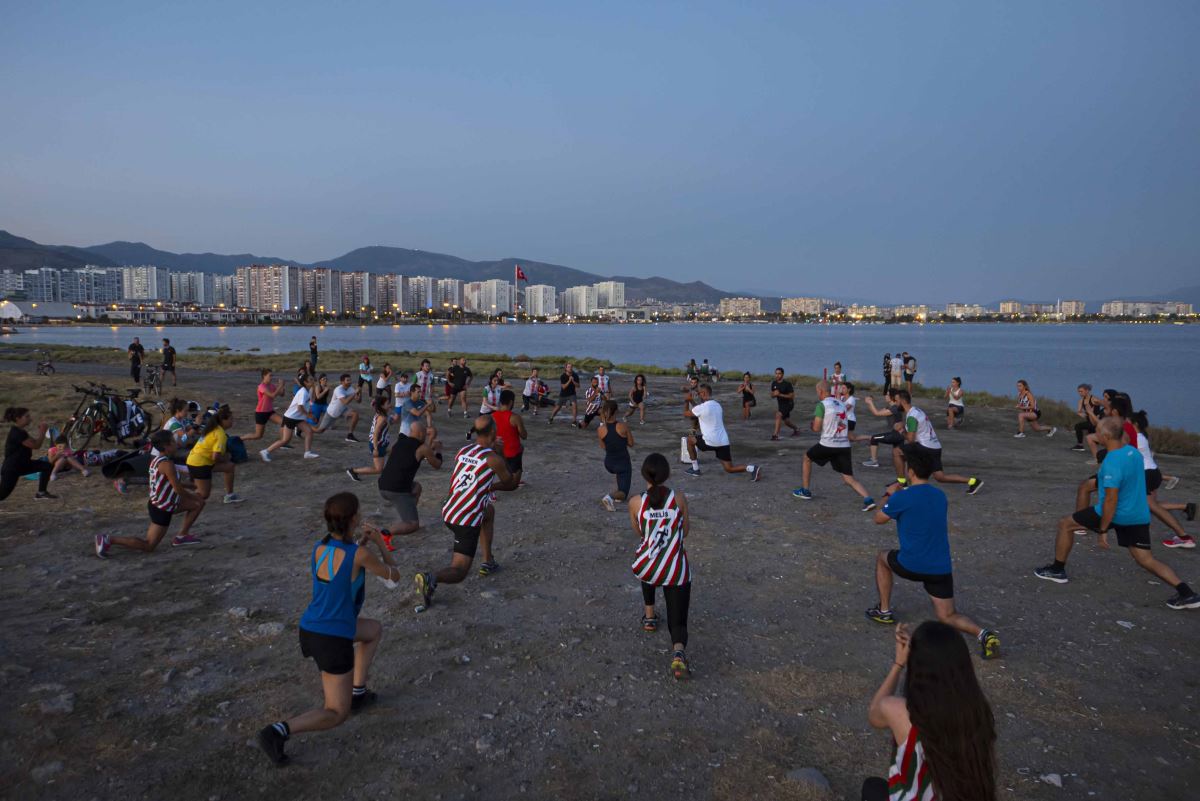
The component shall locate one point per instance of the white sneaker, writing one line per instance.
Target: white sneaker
(311, 455)
(1171, 484)
(1053, 431)
(1018, 435)
(607, 501)
(265, 454)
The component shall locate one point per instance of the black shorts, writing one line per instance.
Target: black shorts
(934, 455)
(1153, 480)
(909, 376)
(168, 368)
(938, 585)
(893, 438)
(515, 463)
(722, 451)
(454, 392)
(850, 424)
(200, 472)
(291, 423)
(262, 418)
(333, 655)
(159, 517)
(837, 458)
(1136, 536)
(566, 398)
(785, 409)
(466, 538)
(959, 411)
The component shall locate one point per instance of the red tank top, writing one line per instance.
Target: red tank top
(507, 433)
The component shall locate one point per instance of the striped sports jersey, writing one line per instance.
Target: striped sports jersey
(909, 778)
(470, 487)
(594, 399)
(162, 494)
(661, 559)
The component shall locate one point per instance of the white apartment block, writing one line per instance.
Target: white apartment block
(578, 301)
(268, 287)
(224, 291)
(449, 292)
(541, 300)
(1010, 307)
(391, 292)
(192, 287)
(421, 290)
(919, 311)
(610, 294)
(811, 306)
(146, 282)
(11, 281)
(357, 296)
(740, 307)
(321, 290)
(965, 311)
(1152, 308)
(1072, 308)
(492, 297)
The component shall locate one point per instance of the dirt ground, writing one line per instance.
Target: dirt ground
(146, 677)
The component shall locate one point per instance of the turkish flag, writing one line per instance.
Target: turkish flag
(521, 274)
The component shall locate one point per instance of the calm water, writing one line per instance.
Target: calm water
(1154, 363)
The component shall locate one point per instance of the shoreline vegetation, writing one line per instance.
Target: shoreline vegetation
(1172, 441)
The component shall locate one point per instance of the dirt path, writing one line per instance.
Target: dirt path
(147, 677)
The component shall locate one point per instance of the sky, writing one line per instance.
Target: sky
(900, 151)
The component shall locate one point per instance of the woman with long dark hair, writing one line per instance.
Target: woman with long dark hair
(660, 517)
(331, 632)
(1154, 480)
(748, 399)
(18, 454)
(1028, 412)
(943, 728)
(211, 455)
(637, 399)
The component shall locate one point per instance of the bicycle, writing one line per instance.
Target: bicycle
(152, 379)
(100, 412)
(45, 363)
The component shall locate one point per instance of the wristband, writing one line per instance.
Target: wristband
(897, 664)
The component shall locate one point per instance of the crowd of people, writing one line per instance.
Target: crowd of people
(938, 752)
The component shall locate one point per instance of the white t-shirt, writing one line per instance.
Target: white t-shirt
(295, 410)
(531, 387)
(897, 365)
(923, 428)
(712, 423)
(1143, 446)
(383, 383)
(339, 401)
(834, 431)
(851, 404)
(400, 394)
(425, 382)
(956, 396)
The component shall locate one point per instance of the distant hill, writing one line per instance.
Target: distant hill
(141, 253)
(18, 253)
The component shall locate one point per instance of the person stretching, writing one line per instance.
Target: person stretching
(660, 518)
(211, 455)
(397, 484)
(924, 553)
(339, 407)
(1089, 409)
(711, 435)
(168, 497)
(893, 436)
(296, 417)
(378, 441)
(593, 398)
(746, 388)
(829, 420)
(921, 438)
(511, 433)
(637, 399)
(18, 454)
(529, 397)
(956, 410)
(568, 385)
(785, 396)
(616, 439)
(1123, 508)
(264, 410)
(331, 633)
(479, 472)
(1028, 412)
(942, 727)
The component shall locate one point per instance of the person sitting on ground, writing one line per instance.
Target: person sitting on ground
(63, 459)
(18, 454)
(955, 409)
(943, 730)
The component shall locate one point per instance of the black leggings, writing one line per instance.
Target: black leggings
(678, 599)
(1082, 428)
(13, 473)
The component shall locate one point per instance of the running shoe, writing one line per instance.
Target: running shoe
(757, 473)
(1186, 541)
(989, 642)
(1019, 435)
(353, 476)
(973, 485)
(271, 742)
(425, 585)
(186, 539)
(102, 545)
(774, 438)
(803, 494)
(232, 497)
(265, 455)
(363, 700)
(351, 438)
(607, 503)
(679, 666)
(870, 463)
(796, 432)
(691, 471)
(650, 624)
(1049, 573)
(121, 487)
(881, 616)
(1189, 601)
(1172, 483)
(903, 482)
(1053, 431)
(45, 496)
(868, 504)
(387, 538)
(311, 455)
(488, 568)
(1189, 511)
(1078, 447)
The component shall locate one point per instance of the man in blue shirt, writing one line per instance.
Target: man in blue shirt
(924, 553)
(1123, 508)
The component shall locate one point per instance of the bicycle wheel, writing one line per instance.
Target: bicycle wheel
(81, 432)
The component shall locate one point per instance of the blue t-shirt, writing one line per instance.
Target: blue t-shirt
(920, 515)
(1125, 470)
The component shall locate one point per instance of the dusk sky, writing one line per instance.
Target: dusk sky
(896, 151)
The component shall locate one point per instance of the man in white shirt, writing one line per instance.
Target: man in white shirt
(829, 420)
(712, 435)
(897, 370)
(339, 406)
(295, 418)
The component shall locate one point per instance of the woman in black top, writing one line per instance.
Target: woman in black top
(637, 399)
(748, 400)
(18, 454)
(887, 371)
(615, 440)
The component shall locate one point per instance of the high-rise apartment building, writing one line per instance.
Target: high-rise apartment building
(357, 297)
(541, 300)
(965, 311)
(449, 292)
(43, 284)
(492, 297)
(740, 307)
(421, 291)
(1072, 308)
(809, 306)
(321, 290)
(1010, 307)
(578, 301)
(146, 282)
(268, 287)
(11, 282)
(193, 287)
(224, 291)
(610, 295)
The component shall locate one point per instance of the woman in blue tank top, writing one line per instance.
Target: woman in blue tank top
(331, 632)
(616, 438)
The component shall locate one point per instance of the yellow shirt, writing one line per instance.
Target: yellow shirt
(204, 454)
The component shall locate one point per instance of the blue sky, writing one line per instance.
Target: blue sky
(888, 150)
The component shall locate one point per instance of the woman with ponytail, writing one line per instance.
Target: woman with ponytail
(660, 517)
(942, 727)
(211, 455)
(18, 454)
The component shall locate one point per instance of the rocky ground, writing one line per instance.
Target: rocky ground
(146, 677)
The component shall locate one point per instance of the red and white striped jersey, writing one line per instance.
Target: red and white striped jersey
(470, 487)
(162, 494)
(661, 559)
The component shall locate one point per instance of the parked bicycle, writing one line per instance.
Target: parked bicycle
(105, 413)
(152, 379)
(45, 363)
